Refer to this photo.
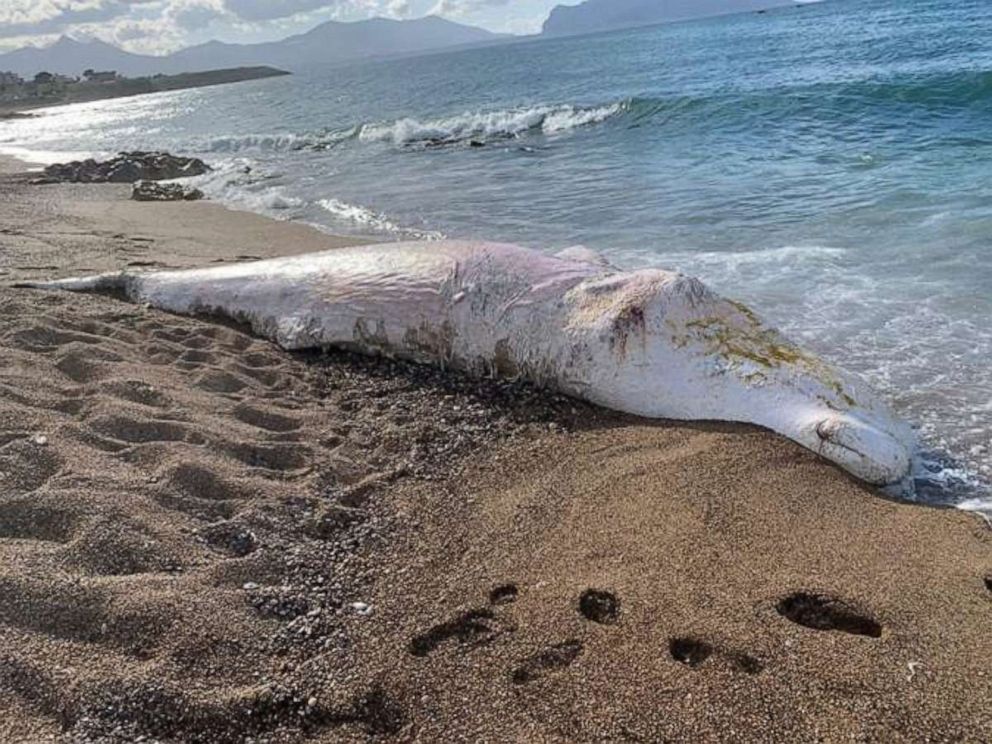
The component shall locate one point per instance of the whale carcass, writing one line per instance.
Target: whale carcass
(651, 342)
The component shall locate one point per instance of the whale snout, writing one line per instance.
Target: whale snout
(869, 452)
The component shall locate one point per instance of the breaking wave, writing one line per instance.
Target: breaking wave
(481, 127)
(370, 220)
(238, 184)
(277, 142)
(485, 126)
(936, 91)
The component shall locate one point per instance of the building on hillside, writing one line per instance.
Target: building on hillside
(10, 80)
(105, 76)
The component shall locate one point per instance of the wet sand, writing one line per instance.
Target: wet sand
(206, 539)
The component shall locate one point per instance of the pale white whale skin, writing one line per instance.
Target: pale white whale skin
(651, 342)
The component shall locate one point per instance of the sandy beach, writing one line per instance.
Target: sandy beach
(206, 539)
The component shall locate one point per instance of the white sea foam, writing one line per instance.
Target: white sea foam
(489, 125)
(480, 125)
(899, 333)
(369, 219)
(276, 142)
(237, 184)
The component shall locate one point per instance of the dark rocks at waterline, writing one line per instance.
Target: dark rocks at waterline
(127, 167)
(150, 191)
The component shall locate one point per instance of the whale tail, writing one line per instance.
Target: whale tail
(113, 282)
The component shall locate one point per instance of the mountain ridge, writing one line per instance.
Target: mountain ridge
(332, 42)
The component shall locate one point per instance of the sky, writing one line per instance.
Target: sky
(159, 26)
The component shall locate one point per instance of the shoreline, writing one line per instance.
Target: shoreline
(969, 493)
(168, 83)
(205, 538)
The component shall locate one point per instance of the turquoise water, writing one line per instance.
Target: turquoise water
(831, 164)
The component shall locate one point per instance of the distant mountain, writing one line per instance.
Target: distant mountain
(329, 43)
(337, 42)
(70, 57)
(602, 15)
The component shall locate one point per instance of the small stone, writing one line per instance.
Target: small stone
(152, 191)
(250, 586)
(361, 608)
(41, 440)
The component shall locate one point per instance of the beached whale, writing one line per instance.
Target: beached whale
(654, 343)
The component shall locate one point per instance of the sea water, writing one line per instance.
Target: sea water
(829, 163)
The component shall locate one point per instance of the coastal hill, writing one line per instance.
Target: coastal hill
(603, 15)
(47, 89)
(337, 42)
(70, 57)
(328, 43)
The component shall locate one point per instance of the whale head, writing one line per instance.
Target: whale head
(874, 454)
(666, 346)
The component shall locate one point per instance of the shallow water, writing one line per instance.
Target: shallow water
(830, 164)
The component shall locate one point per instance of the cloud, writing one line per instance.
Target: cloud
(21, 17)
(464, 8)
(509, 16)
(266, 10)
(194, 14)
(152, 25)
(157, 26)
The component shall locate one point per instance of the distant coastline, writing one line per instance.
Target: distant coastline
(76, 92)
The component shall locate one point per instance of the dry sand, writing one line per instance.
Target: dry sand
(205, 539)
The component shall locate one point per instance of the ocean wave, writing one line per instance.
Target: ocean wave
(485, 126)
(954, 89)
(481, 127)
(368, 219)
(943, 480)
(238, 184)
(277, 142)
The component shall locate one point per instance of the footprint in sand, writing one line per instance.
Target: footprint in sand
(105, 548)
(503, 594)
(44, 339)
(27, 466)
(690, 651)
(197, 343)
(68, 610)
(548, 661)
(279, 458)
(695, 652)
(218, 381)
(746, 663)
(600, 606)
(136, 391)
(200, 491)
(471, 629)
(32, 518)
(821, 612)
(86, 364)
(194, 358)
(137, 431)
(267, 420)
